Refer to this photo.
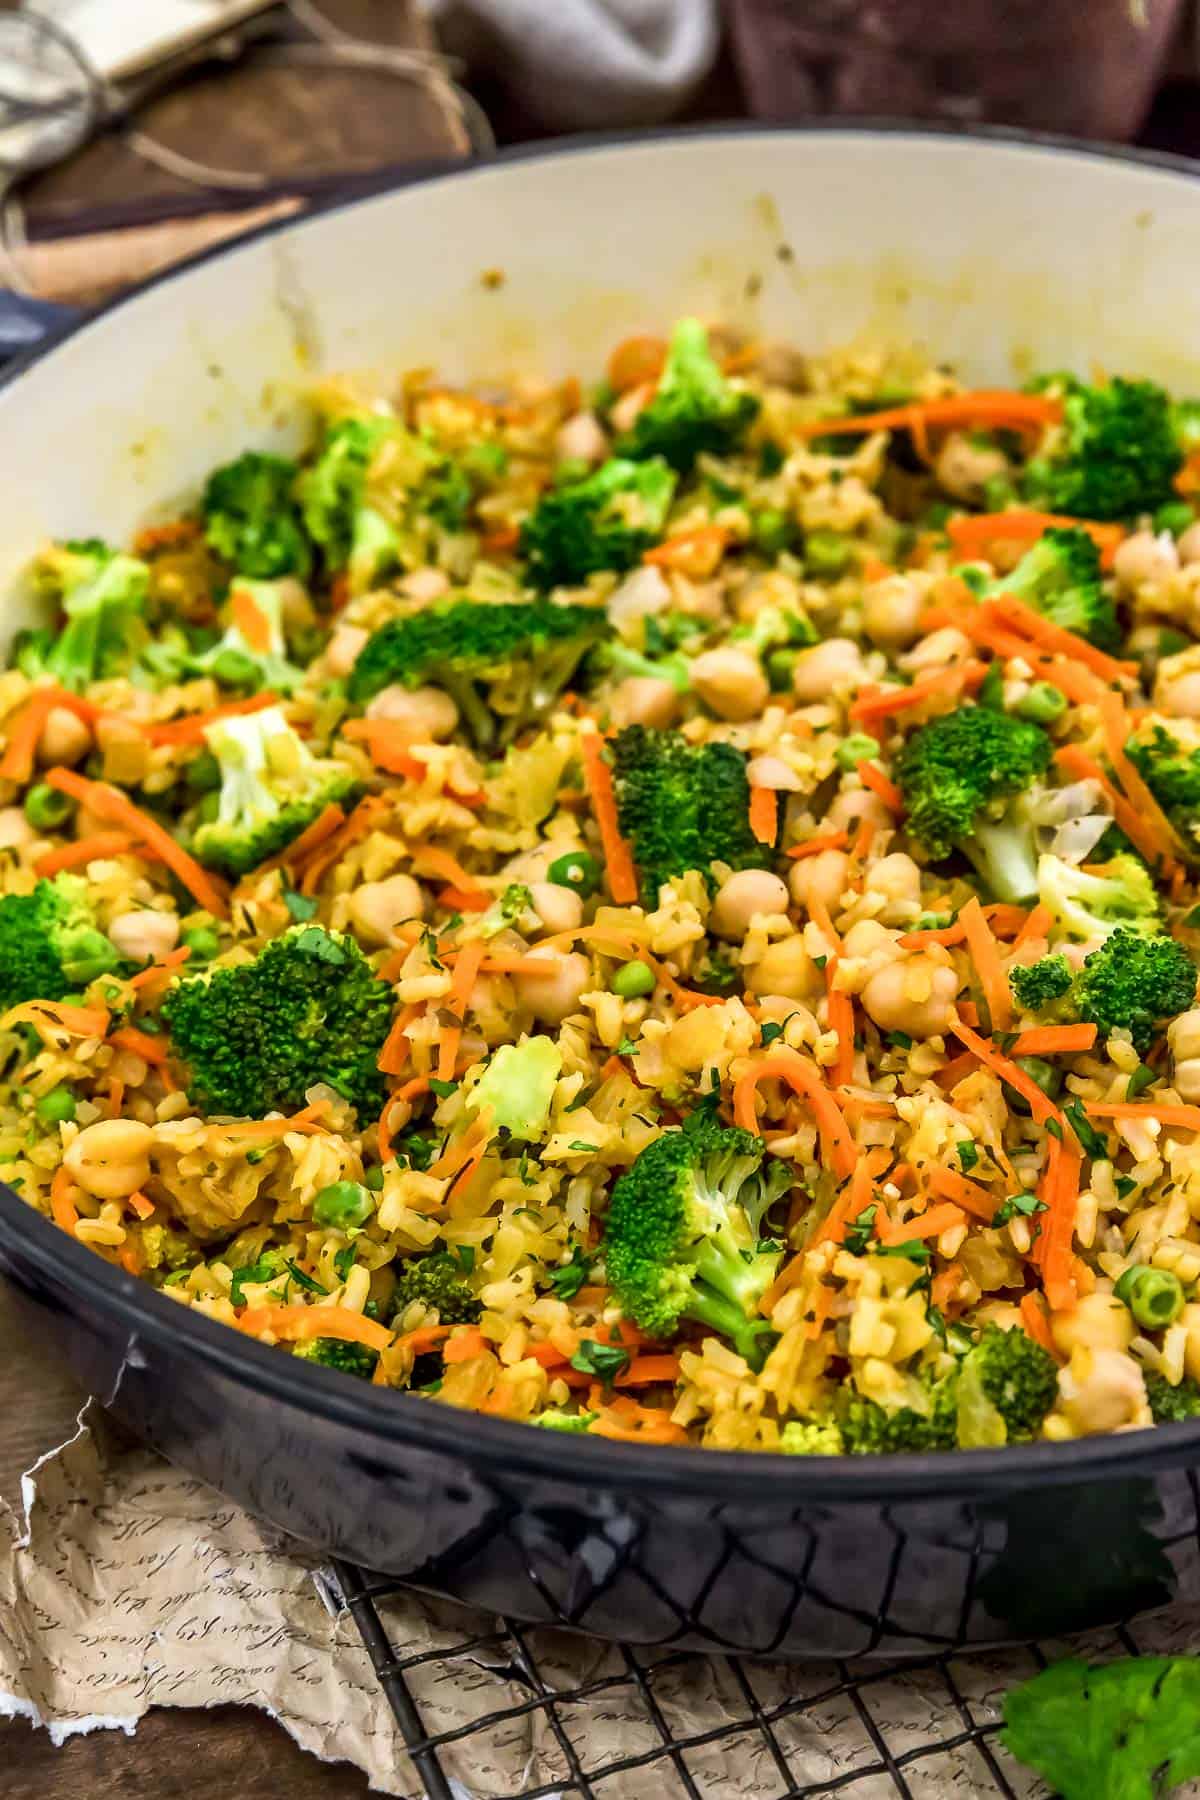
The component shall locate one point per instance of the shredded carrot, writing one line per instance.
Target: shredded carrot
(813, 846)
(944, 934)
(466, 1343)
(330, 819)
(185, 731)
(116, 1097)
(78, 1021)
(818, 912)
(389, 745)
(500, 540)
(166, 536)
(299, 1322)
(840, 1010)
(948, 1184)
(1041, 1108)
(139, 1204)
(1060, 1193)
(872, 703)
(1117, 731)
(1054, 1040)
(855, 1195)
(925, 1225)
(98, 847)
(1037, 925)
(956, 1070)
(635, 361)
(1037, 1326)
(804, 1078)
(250, 620)
(991, 406)
(971, 534)
(25, 733)
(864, 837)
(873, 777)
(653, 1426)
(981, 947)
(1140, 830)
(156, 970)
(466, 968)
(696, 552)
(626, 945)
(1006, 609)
(62, 1201)
(370, 811)
(432, 859)
(140, 1043)
(393, 1057)
(1187, 1118)
(307, 1119)
(873, 568)
(644, 1370)
(622, 879)
(116, 808)
(764, 814)
(461, 1152)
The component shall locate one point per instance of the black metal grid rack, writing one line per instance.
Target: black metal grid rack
(905, 1732)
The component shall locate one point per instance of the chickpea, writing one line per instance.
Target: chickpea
(1177, 685)
(1188, 544)
(964, 469)
(425, 585)
(913, 994)
(1101, 1390)
(937, 651)
(780, 365)
(378, 907)
(144, 936)
(821, 877)
(581, 438)
(64, 739)
(552, 996)
(741, 897)
(644, 591)
(898, 879)
(428, 712)
(645, 700)
(1099, 1322)
(1144, 558)
(731, 682)
(341, 652)
(857, 806)
(785, 968)
(816, 673)
(111, 1160)
(1183, 1036)
(892, 611)
(16, 833)
(868, 939)
(559, 908)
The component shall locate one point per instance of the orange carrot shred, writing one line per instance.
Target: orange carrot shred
(185, 730)
(116, 808)
(1006, 609)
(803, 1077)
(764, 814)
(139, 1204)
(466, 968)
(154, 971)
(948, 1184)
(1041, 1108)
(17, 761)
(925, 1225)
(998, 407)
(98, 847)
(250, 620)
(873, 777)
(971, 534)
(1138, 828)
(981, 946)
(1054, 1040)
(622, 879)
(1037, 1326)
(1187, 1118)
(824, 840)
(292, 1322)
(62, 1201)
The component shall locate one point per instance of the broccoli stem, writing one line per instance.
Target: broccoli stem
(1006, 858)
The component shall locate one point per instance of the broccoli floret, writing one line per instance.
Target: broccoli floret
(621, 660)
(1118, 453)
(258, 660)
(811, 1437)
(959, 776)
(1037, 986)
(1172, 773)
(272, 788)
(1134, 982)
(1060, 578)
(436, 1281)
(602, 522)
(869, 1430)
(695, 408)
(50, 943)
(504, 665)
(1172, 1403)
(257, 1035)
(336, 1353)
(682, 1237)
(103, 594)
(1089, 905)
(251, 517)
(681, 805)
(517, 1086)
(1006, 1385)
(352, 534)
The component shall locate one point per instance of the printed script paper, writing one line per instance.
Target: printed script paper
(125, 1584)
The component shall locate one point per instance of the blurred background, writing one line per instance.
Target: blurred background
(134, 132)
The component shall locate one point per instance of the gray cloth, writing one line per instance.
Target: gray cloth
(583, 64)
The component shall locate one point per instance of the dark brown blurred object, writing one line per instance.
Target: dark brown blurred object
(1056, 65)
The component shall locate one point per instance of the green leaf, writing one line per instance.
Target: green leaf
(604, 1361)
(912, 1248)
(578, 1144)
(1142, 1078)
(968, 1155)
(300, 906)
(1024, 1204)
(265, 1269)
(343, 1261)
(443, 1089)
(568, 1278)
(1091, 1142)
(1127, 1731)
(861, 1230)
(303, 1280)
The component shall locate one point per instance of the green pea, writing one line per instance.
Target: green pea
(234, 668)
(858, 747)
(88, 955)
(1041, 705)
(773, 531)
(203, 773)
(210, 805)
(1174, 516)
(56, 1107)
(343, 1204)
(1154, 1296)
(826, 554)
(633, 981)
(781, 665)
(203, 943)
(374, 1178)
(578, 869)
(47, 809)
(1044, 1074)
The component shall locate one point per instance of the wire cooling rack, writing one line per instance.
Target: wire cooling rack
(917, 1730)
